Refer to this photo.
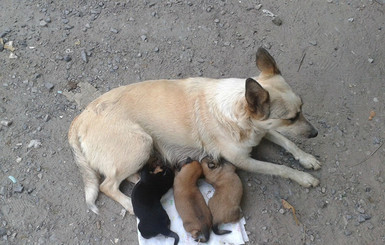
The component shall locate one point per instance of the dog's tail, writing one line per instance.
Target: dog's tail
(217, 231)
(170, 233)
(90, 176)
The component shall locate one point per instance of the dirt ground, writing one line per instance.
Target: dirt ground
(67, 52)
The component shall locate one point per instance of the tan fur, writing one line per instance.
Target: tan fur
(189, 201)
(115, 135)
(225, 203)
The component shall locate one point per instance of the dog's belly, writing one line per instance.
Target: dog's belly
(176, 153)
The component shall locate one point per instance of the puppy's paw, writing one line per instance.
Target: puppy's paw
(309, 161)
(307, 180)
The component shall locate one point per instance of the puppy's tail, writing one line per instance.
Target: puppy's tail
(90, 176)
(205, 232)
(170, 233)
(217, 231)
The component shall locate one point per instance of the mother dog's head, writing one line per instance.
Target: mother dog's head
(273, 104)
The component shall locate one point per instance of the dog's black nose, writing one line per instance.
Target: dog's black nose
(313, 133)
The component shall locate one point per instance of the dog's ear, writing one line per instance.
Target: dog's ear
(258, 99)
(266, 63)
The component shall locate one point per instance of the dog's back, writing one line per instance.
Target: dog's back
(225, 203)
(190, 203)
(146, 197)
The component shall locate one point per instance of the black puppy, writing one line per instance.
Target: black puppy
(146, 195)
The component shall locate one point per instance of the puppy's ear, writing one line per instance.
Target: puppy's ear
(257, 98)
(266, 63)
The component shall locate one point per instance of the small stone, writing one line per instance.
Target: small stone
(114, 30)
(277, 21)
(323, 189)
(351, 19)
(329, 1)
(375, 99)
(258, 7)
(34, 143)
(84, 56)
(349, 217)
(49, 86)
(313, 42)
(48, 20)
(12, 55)
(67, 58)
(43, 23)
(18, 160)
(361, 218)
(40, 175)
(3, 231)
(216, 20)
(65, 21)
(347, 233)
(367, 216)
(46, 118)
(4, 33)
(370, 226)
(143, 37)
(361, 210)
(380, 179)
(68, 27)
(156, 49)
(371, 60)
(18, 188)
(6, 123)
(376, 140)
(139, 55)
(281, 211)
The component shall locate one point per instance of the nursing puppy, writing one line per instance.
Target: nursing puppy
(146, 195)
(225, 203)
(115, 135)
(190, 203)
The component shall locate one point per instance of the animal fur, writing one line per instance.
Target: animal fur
(115, 135)
(190, 203)
(225, 204)
(146, 195)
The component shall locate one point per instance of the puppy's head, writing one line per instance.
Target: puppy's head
(190, 168)
(272, 103)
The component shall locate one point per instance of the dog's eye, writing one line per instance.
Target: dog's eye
(293, 119)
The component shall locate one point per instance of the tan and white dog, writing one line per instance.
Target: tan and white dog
(115, 135)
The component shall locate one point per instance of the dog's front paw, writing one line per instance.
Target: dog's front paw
(309, 162)
(307, 180)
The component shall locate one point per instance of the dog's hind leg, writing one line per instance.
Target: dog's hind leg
(126, 162)
(306, 160)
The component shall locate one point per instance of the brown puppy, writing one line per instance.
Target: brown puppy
(190, 203)
(225, 203)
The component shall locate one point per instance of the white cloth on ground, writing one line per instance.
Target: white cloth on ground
(236, 237)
